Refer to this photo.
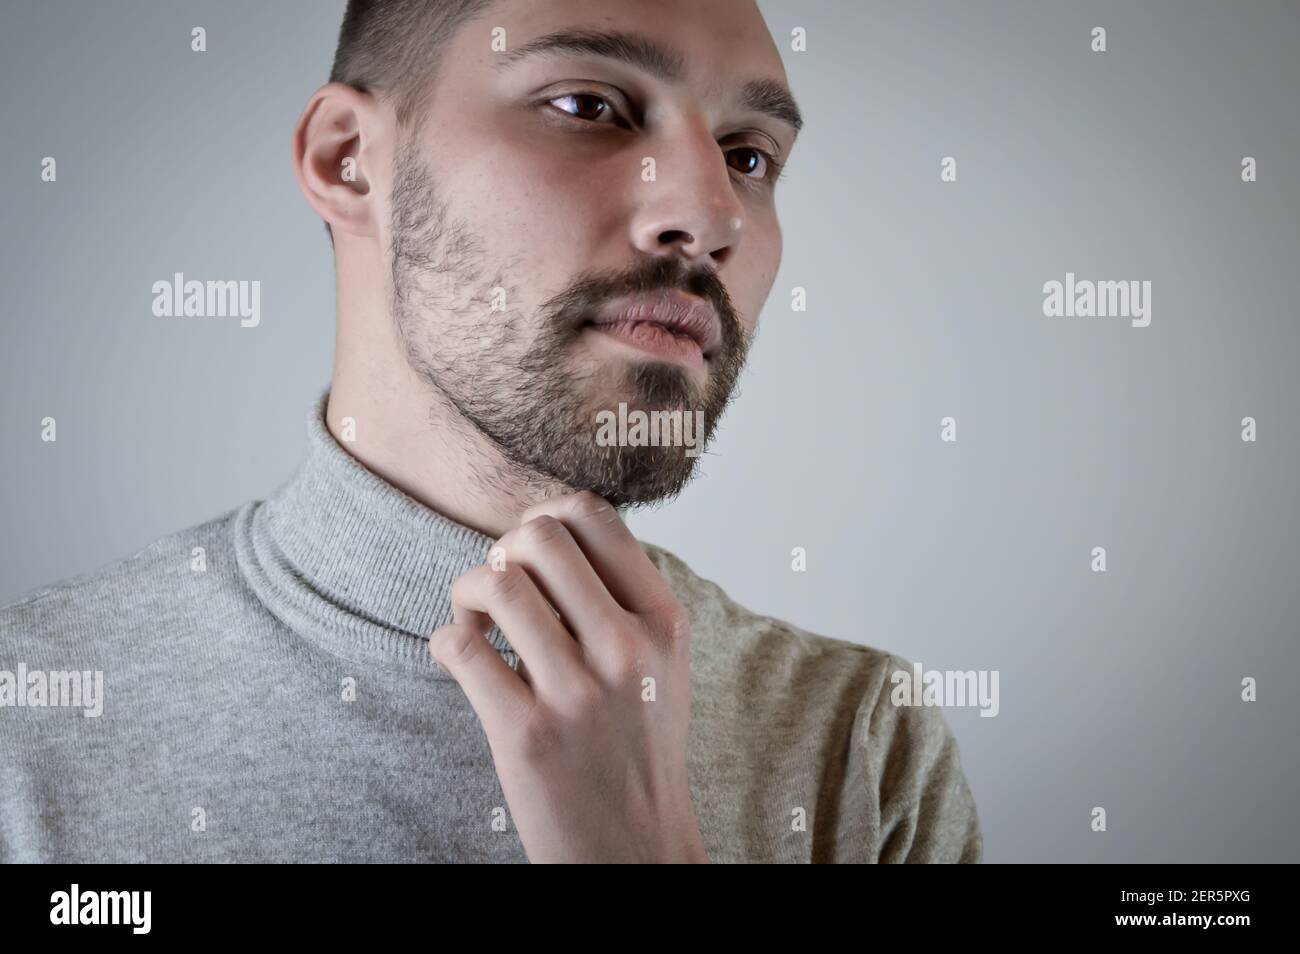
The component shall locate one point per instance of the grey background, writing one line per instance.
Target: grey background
(1118, 690)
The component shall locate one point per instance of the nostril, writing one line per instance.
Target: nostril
(676, 235)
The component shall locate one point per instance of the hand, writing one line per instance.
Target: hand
(589, 737)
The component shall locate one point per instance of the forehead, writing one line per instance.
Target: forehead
(713, 46)
(733, 27)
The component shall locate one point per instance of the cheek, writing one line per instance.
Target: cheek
(763, 261)
(535, 208)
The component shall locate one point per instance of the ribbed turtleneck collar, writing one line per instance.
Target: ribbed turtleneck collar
(350, 562)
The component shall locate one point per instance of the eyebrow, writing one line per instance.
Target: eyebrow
(766, 96)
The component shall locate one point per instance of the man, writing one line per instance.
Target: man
(439, 640)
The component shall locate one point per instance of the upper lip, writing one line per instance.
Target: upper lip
(679, 312)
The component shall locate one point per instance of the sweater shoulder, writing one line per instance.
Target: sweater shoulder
(726, 629)
(111, 597)
(902, 764)
(769, 668)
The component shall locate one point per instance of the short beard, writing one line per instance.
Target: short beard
(535, 403)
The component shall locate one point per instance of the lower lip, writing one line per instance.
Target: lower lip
(653, 339)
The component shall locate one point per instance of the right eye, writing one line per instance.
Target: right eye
(585, 106)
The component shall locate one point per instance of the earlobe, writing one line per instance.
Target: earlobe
(329, 157)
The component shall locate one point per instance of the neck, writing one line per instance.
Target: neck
(403, 429)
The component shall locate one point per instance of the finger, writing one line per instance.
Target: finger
(544, 547)
(483, 623)
(613, 552)
(501, 699)
(514, 603)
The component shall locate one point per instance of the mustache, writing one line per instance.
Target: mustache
(589, 292)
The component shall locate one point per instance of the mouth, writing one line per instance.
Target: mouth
(669, 326)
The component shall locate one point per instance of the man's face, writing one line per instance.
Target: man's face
(570, 231)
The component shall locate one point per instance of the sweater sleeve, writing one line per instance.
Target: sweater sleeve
(926, 813)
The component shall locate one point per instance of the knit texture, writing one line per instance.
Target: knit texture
(268, 695)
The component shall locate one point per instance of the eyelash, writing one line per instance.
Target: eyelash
(776, 170)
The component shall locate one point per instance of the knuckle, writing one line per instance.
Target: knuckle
(589, 505)
(582, 505)
(675, 622)
(507, 584)
(540, 531)
(461, 647)
(583, 699)
(537, 735)
(625, 667)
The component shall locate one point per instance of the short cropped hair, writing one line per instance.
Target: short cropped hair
(391, 48)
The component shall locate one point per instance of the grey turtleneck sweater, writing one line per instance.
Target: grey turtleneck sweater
(267, 694)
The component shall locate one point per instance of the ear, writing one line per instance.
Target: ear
(331, 154)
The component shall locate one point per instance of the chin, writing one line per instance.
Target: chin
(629, 376)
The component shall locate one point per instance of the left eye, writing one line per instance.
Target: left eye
(584, 106)
(750, 159)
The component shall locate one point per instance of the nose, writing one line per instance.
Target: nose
(690, 209)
